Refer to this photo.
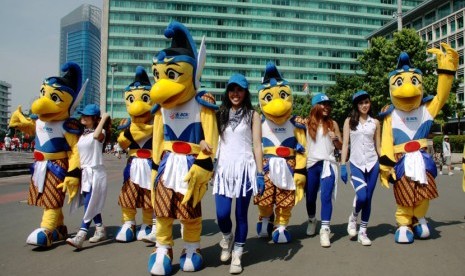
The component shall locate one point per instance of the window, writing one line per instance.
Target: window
(444, 30)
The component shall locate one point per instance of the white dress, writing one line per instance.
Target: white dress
(236, 162)
(94, 176)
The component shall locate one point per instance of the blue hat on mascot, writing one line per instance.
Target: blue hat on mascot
(71, 82)
(182, 48)
(272, 77)
(404, 65)
(141, 80)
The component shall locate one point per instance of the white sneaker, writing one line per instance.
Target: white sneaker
(440, 172)
(352, 226)
(311, 228)
(451, 173)
(99, 235)
(226, 246)
(236, 266)
(78, 240)
(324, 237)
(363, 239)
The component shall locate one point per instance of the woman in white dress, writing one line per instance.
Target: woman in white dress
(94, 176)
(239, 171)
(363, 133)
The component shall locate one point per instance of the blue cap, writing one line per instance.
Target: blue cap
(238, 79)
(90, 110)
(319, 98)
(358, 94)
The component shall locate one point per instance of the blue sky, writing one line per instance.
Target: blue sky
(29, 48)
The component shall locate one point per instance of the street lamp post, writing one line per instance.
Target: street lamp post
(113, 70)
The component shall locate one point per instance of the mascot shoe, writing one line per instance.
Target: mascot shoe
(143, 232)
(60, 233)
(191, 259)
(421, 230)
(281, 235)
(404, 235)
(127, 233)
(160, 261)
(40, 237)
(264, 227)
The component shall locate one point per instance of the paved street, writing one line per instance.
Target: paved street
(441, 254)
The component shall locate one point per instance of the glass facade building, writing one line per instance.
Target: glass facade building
(310, 41)
(80, 43)
(5, 97)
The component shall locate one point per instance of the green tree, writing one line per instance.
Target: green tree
(342, 93)
(301, 105)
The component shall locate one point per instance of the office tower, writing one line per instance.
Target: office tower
(5, 97)
(80, 42)
(309, 41)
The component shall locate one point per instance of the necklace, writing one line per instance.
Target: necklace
(88, 130)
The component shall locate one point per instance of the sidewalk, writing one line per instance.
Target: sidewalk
(456, 160)
(15, 163)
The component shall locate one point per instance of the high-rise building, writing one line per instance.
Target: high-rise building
(309, 41)
(5, 97)
(80, 42)
(437, 21)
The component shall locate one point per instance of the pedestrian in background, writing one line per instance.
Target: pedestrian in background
(446, 154)
(323, 137)
(94, 176)
(362, 132)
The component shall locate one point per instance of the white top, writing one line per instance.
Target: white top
(321, 149)
(363, 151)
(90, 150)
(446, 148)
(236, 162)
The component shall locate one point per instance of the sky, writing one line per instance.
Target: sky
(30, 44)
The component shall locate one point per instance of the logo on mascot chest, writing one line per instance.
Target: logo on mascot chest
(47, 129)
(410, 119)
(279, 130)
(179, 115)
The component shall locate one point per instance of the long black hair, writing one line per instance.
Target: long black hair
(222, 114)
(355, 114)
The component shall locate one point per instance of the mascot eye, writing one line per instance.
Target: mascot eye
(42, 92)
(172, 74)
(130, 98)
(415, 81)
(55, 98)
(399, 81)
(156, 74)
(283, 94)
(146, 98)
(268, 97)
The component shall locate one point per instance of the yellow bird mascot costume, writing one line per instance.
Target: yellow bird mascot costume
(137, 137)
(284, 164)
(56, 166)
(407, 122)
(182, 171)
